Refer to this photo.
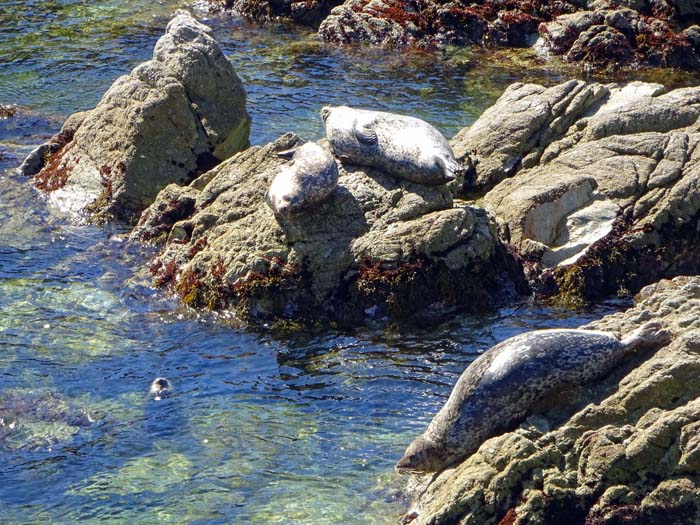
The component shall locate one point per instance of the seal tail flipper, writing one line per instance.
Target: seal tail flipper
(450, 167)
(649, 335)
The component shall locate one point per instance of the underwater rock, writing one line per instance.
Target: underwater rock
(597, 186)
(623, 447)
(169, 120)
(378, 245)
(33, 419)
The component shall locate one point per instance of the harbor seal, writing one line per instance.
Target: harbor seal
(310, 177)
(160, 388)
(496, 391)
(402, 146)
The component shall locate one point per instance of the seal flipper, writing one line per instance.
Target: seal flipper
(286, 154)
(450, 167)
(365, 135)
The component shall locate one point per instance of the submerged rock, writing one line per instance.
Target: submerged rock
(624, 448)
(595, 185)
(377, 246)
(169, 120)
(32, 419)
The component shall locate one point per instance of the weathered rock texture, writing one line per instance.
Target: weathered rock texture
(428, 23)
(305, 12)
(599, 33)
(616, 37)
(595, 185)
(378, 245)
(630, 455)
(169, 120)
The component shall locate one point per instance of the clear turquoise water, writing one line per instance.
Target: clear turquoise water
(260, 429)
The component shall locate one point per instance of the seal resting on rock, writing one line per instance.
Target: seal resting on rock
(305, 181)
(402, 146)
(499, 387)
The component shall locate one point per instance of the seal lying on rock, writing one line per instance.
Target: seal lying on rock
(499, 388)
(403, 146)
(308, 179)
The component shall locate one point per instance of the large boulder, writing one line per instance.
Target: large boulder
(169, 120)
(623, 450)
(377, 246)
(596, 185)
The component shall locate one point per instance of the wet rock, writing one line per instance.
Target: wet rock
(377, 246)
(429, 23)
(621, 450)
(596, 181)
(610, 38)
(7, 111)
(169, 120)
(306, 12)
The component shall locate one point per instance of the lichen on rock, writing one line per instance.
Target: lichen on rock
(594, 184)
(621, 449)
(169, 120)
(377, 246)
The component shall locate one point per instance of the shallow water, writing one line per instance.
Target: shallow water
(260, 428)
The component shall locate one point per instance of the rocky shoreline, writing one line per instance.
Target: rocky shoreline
(597, 34)
(576, 191)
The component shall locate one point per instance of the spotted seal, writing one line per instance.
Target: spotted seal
(402, 146)
(499, 387)
(310, 177)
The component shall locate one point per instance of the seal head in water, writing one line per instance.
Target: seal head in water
(402, 146)
(496, 391)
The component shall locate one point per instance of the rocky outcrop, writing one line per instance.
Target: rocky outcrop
(429, 23)
(377, 246)
(617, 37)
(624, 450)
(171, 119)
(306, 12)
(595, 185)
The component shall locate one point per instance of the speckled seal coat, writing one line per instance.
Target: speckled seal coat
(402, 146)
(310, 177)
(498, 388)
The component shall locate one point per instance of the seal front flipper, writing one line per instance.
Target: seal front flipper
(450, 167)
(364, 130)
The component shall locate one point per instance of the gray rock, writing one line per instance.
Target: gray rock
(634, 149)
(169, 120)
(377, 244)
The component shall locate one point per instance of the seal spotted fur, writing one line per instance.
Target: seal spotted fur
(498, 388)
(402, 146)
(310, 177)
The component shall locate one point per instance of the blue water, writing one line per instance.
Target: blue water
(260, 428)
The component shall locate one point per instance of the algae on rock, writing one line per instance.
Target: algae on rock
(169, 120)
(377, 245)
(622, 448)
